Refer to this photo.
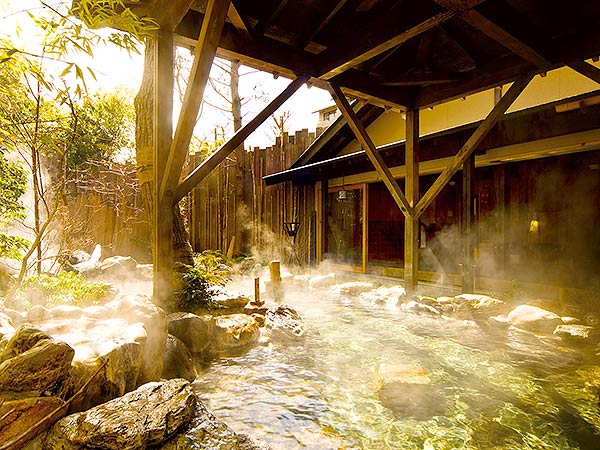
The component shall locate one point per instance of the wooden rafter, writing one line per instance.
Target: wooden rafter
(363, 138)
(168, 13)
(471, 145)
(418, 79)
(236, 19)
(586, 69)
(204, 54)
(262, 25)
(336, 62)
(200, 172)
(500, 35)
(311, 33)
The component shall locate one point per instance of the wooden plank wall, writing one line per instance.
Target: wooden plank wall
(105, 207)
(234, 201)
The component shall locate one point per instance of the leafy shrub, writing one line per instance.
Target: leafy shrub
(65, 288)
(199, 284)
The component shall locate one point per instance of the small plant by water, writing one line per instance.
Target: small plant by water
(65, 288)
(199, 284)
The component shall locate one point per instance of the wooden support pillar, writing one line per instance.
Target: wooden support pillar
(324, 194)
(469, 235)
(411, 223)
(163, 134)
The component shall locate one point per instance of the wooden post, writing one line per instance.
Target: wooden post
(275, 271)
(411, 222)
(468, 225)
(323, 240)
(163, 133)
(257, 300)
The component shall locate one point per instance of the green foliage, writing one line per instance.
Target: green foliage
(13, 182)
(199, 283)
(105, 125)
(66, 288)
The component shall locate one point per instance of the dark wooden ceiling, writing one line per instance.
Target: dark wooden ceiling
(405, 53)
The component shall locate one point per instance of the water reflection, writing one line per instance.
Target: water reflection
(502, 392)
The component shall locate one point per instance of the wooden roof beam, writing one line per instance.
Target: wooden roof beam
(205, 51)
(262, 25)
(168, 13)
(363, 138)
(473, 142)
(200, 172)
(338, 59)
(311, 33)
(500, 35)
(419, 79)
(586, 69)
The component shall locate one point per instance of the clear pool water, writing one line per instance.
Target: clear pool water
(508, 390)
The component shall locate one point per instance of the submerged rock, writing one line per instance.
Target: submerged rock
(573, 332)
(206, 432)
(193, 330)
(408, 392)
(177, 360)
(148, 416)
(532, 318)
(284, 325)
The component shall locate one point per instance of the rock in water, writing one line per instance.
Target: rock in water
(40, 365)
(148, 416)
(573, 332)
(177, 360)
(532, 318)
(193, 330)
(234, 332)
(206, 432)
(408, 392)
(284, 325)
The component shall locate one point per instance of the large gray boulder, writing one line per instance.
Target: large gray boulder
(233, 333)
(112, 346)
(534, 319)
(146, 417)
(34, 364)
(137, 308)
(177, 360)
(119, 267)
(195, 331)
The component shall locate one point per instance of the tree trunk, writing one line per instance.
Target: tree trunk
(144, 135)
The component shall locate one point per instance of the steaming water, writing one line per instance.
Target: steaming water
(509, 392)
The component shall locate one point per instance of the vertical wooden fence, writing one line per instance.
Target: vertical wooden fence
(233, 204)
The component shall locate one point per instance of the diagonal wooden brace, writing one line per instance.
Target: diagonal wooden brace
(473, 142)
(206, 48)
(363, 138)
(200, 172)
